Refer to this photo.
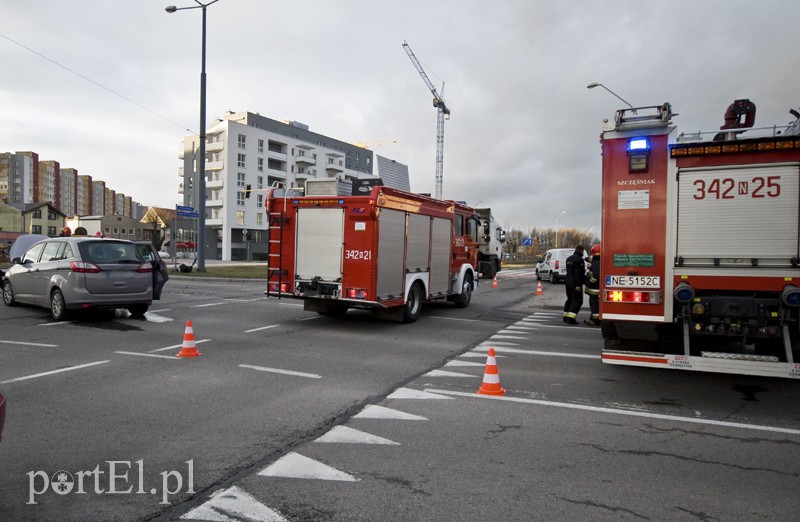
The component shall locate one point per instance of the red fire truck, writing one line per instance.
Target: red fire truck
(700, 244)
(388, 251)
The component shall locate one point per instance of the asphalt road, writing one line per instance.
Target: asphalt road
(287, 414)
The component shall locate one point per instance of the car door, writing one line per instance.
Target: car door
(22, 276)
(45, 270)
(545, 271)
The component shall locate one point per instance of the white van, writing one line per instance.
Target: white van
(553, 266)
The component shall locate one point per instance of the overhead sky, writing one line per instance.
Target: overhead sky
(523, 136)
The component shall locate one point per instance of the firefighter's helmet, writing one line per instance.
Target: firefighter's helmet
(596, 249)
(66, 232)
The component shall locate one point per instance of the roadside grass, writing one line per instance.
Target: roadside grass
(226, 272)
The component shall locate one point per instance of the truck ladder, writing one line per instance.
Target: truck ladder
(275, 222)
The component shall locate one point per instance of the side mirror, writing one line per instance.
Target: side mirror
(16, 261)
(502, 236)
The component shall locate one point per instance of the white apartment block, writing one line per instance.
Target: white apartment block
(245, 149)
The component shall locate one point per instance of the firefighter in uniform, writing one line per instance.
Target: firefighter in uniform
(593, 287)
(576, 275)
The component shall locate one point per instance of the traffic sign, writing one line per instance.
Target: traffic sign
(180, 208)
(193, 215)
(526, 241)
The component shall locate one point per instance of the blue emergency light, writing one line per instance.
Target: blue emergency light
(638, 155)
(638, 144)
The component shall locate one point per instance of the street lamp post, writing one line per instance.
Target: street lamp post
(559, 216)
(596, 84)
(201, 166)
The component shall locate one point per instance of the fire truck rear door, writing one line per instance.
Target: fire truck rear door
(320, 236)
(735, 216)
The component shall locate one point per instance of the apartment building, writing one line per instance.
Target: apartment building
(246, 149)
(24, 180)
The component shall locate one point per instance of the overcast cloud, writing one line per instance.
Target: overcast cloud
(523, 136)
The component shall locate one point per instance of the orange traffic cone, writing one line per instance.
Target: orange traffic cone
(188, 348)
(494, 282)
(539, 288)
(491, 379)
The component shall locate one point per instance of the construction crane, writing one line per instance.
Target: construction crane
(442, 113)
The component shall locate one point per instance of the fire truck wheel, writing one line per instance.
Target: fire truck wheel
(462, 300)
(413, 304)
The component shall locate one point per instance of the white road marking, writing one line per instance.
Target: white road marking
(149, 355)
(284, 372)
(454, 318)
(23, 343)
(443, 373)
(242, 300)
(456, 362)
(176, 346)
(345, 435)
(510, 332)
(481, 355)
(408, 393)
(206, 305)
(55, 323)
(261, 328)
(381, 412)
(506, 337)
(312, 317)
(233, 504)
(153, 317)
(159, 311)
(294, 465)
(53, 372)
(515, 327)
(600, 409)
(536, 352)
(291, 304)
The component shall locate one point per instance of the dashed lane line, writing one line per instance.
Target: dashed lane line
(23, 343)
(53, 372)
(284, 372)
(176, 346)
(174, 358)
(261, 328)
(614, 411)
(206, 305)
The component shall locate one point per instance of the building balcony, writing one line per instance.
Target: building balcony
(215, 184)
(334, 168)
(214, 203)
(276, 155)
(180, 188)
(213, 222)
(215, 146)
(305, 160)
(215, 165)
(180, 172)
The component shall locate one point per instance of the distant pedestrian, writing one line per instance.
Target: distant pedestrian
(593, 286)
(576, 275)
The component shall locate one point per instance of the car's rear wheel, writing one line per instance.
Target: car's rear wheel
(58, 307)
(553, 277)
(8, 294)
(138, 310)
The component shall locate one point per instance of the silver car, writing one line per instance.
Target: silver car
(73, 273)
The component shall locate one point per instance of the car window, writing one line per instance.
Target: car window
(32, 255)
(109, 252)
(51, 251)
(146, 253)
(65, 252)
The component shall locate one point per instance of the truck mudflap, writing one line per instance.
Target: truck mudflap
(765, 366)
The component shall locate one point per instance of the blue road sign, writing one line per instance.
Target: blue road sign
(180, 208)
(526, 241)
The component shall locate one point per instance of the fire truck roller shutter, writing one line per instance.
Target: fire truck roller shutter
(737, 215)
(419, 243)
(391, 250)
(320, 235)
(440, 256)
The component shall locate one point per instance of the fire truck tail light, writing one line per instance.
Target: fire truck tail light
(633, 296)
(357, 293)
(791, 296)
(684, 292)
(279, 287)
